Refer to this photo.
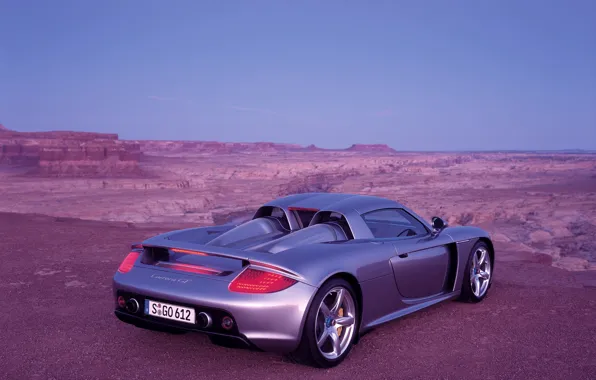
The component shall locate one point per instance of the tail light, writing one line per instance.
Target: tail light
(128, 262)
(259, 281)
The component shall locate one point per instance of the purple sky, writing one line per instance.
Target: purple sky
(417, 75)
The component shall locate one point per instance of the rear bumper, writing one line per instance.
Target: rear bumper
(269, 322)
(165, 325)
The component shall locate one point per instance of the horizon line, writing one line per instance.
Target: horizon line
(303, 146)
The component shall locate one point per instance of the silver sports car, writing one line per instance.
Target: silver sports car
(306, 276)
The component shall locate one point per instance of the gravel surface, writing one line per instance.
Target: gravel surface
(57, 322)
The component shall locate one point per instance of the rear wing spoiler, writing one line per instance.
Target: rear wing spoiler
(159, 248)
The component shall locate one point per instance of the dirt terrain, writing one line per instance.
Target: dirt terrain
(538, 322)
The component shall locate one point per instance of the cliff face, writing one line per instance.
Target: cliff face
(18, 153)
(67, 153)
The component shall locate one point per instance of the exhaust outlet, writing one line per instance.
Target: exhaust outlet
(204, 320)
(132, 306)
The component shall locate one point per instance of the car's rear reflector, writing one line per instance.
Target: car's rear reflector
(190, 268)
(129, 262)
(259, 281)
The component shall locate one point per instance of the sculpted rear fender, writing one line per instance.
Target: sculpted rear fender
(353, 281)
(316, 263)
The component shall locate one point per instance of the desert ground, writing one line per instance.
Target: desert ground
(69, 213)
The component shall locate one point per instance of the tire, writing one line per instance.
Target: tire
(308, 351)
(468, 293)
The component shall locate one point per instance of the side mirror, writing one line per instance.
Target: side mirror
(438, 224)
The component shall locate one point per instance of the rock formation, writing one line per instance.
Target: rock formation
(373, 148)
(68, 153)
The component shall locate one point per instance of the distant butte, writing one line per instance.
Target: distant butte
(312, 147)
(371, 148)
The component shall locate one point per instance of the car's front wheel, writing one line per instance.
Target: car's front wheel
(330, 327)
(478, 275)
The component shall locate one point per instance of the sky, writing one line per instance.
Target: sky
(416, 75)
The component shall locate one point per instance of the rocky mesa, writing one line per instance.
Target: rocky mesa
(69, 153)
(372, 148)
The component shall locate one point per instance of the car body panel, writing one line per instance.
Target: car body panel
(421, 272)
(269, 321)
(393, 276)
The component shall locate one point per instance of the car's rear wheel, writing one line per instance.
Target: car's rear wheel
(330, 327)
(478, 275)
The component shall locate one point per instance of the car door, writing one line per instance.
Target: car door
(421, 261)
(420, 265)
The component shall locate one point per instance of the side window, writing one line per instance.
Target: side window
(390, 223)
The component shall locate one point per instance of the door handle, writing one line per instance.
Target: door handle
(403, 255)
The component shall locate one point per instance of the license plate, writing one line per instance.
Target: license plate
(168, 311)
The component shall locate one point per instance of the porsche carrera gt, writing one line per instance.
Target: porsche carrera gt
(307, 276)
